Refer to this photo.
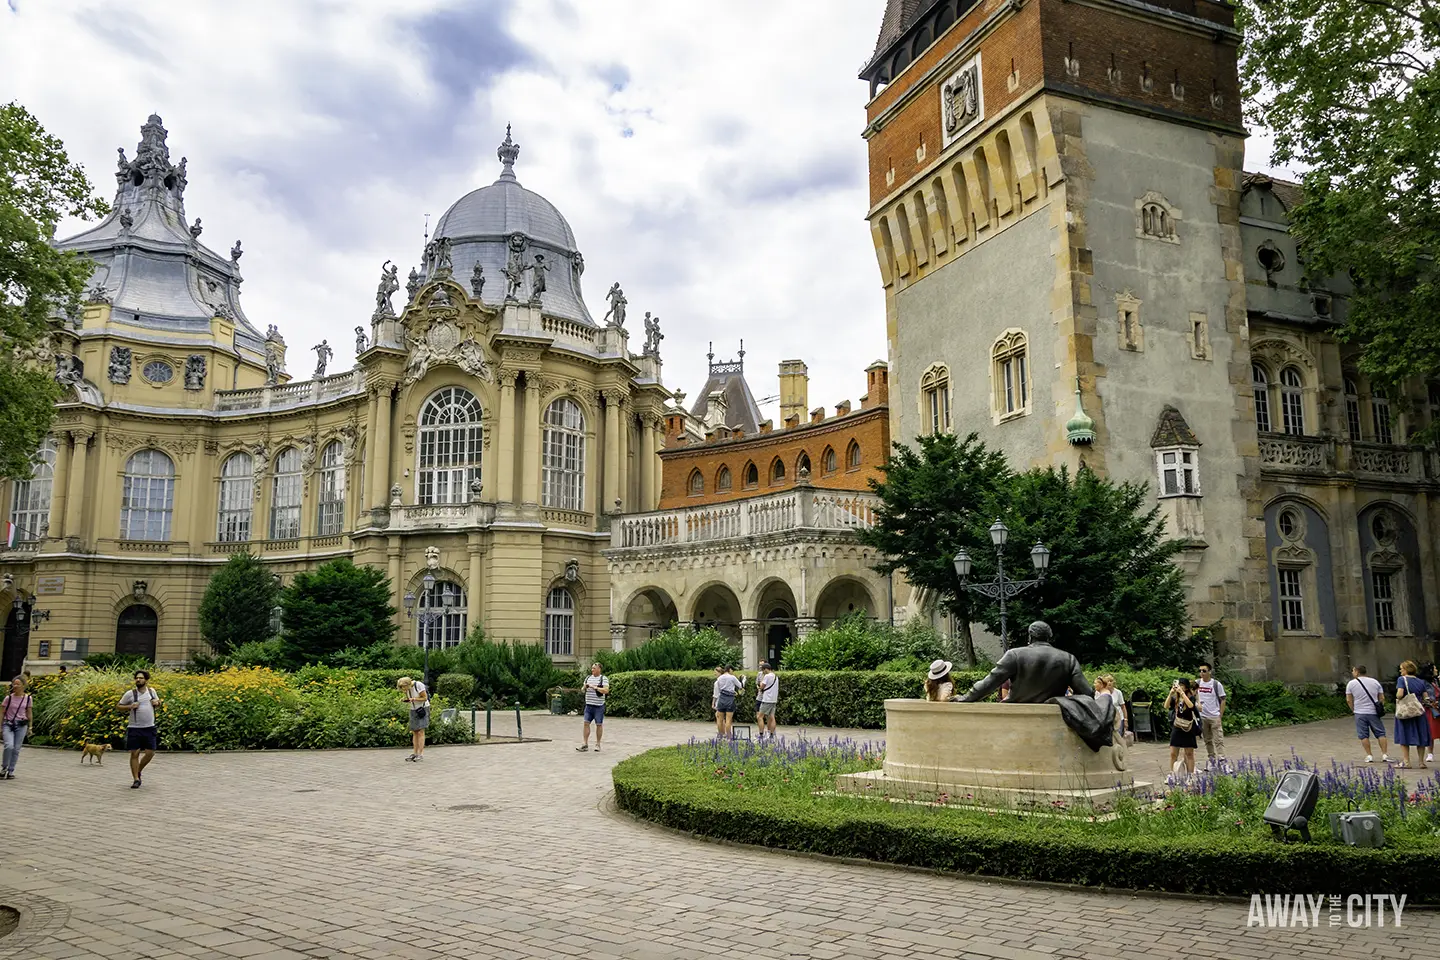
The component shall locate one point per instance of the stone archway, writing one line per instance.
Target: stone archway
(843, 597)
(775, 610)
(136, 630)
(649, 611)
(717, 606)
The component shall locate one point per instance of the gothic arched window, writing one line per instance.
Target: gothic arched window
(1011, 374)
(237, 498)
(722, 479)
(696, 485)
(563, 469)
(450, 444)
(1260, 384)
(1292, 401)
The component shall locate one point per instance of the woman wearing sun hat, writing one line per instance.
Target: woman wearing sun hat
(939, 685)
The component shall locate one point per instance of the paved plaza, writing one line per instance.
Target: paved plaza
(514, 851)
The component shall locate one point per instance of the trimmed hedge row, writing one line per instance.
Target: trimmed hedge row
(647, 787)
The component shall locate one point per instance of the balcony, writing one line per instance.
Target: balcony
(289, 395)
(1284, 453)
(293, 547)
(1387, 461)
(804, 510)
(441, 516)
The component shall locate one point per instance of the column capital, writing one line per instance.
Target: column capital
(748, 627)
(506, 376)
(81, 435)
(617, 637)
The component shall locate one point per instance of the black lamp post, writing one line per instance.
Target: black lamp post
(1001, 589)
(428, 613)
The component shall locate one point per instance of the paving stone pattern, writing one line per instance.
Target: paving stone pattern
(510, 851)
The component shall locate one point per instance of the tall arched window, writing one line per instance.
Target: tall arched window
(696, 484)
(563, 483)
(722, 479)
(1380, 414)
(1352, 409)
(449, 628)
(1260, 383)
(1292, 402)
(752, 475)
(802, 466)
(560, 623)
(777, 471)
(237, 498)
(147, 499)
(286, 491)
(332, 490)
(828, 460)
(852, 456)
(1011, 374)
(935, 399)
(30, 505)
(450, 443)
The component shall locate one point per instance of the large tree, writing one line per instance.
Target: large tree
(38, 187)
(336, 607)
(238, 604)
(933, 501)
(1351, 89)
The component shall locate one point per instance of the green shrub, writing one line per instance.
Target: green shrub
(120, 662)
(857, 643)
(378, 656)
(572, 699)
(677, 648)
(204, 661)
(238, 603)
(259, 653)
(335, 606)
(505, 672)
(455, 687)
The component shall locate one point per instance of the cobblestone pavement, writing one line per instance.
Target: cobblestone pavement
(509, 851)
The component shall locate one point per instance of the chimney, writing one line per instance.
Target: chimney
(817, 415)
(674, 424)
(794, 388)
(792, 421)
(877, 384)
(766, 426)
(842, 408)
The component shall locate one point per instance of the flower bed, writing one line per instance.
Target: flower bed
(767, 795)
(238, 709)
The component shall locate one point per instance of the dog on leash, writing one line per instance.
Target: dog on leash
(93, 752)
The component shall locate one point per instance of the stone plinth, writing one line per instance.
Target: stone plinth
(989, 753)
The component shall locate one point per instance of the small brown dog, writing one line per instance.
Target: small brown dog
(93, 751)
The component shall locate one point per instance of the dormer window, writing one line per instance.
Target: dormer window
(1179, 471)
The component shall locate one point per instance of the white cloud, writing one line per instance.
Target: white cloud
(707, 155)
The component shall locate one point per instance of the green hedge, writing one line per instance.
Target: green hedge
(652, 787)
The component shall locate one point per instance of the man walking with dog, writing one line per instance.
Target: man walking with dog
(140, 738)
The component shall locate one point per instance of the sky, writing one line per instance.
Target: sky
(707, 155)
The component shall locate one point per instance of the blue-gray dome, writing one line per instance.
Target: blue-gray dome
(480, 224)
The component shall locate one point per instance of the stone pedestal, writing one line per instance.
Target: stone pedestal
(990, 753)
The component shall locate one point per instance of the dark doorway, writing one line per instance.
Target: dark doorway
(777, 634)
(135, 633)
(17, 642)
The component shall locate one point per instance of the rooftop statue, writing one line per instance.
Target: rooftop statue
(323, 353)
(389, 283)
(653, 336)
(616, 313)
(477, 280)
(539, 269)
(1037, 672)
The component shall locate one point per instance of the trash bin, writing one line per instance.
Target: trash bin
(1141, 721)
(557, 704)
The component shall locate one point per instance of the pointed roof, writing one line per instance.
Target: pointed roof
(728, 378)
(1172, 431)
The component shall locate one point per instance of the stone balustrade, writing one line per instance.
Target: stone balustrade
(802, 509)
(296, 394)
(1279, 451)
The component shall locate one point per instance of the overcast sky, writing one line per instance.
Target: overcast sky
(707, 154)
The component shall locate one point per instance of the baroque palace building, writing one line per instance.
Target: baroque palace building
(756, 529)
(1077, 267)
(488, 432)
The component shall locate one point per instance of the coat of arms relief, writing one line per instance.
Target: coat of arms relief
(439, 333)
(962, 100)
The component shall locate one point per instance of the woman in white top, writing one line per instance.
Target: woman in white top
(419, 700)
(1105, 687)
(727, 685)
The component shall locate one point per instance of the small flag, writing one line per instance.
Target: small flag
(9, 534)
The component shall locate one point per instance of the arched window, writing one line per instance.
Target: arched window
(1380, 414)
(286, 489)
(1011, 374)
(935, 399)
(448, 629)
(450, 444)
(802, 466)
(1292, 401)
(1352, 409)
(852, 456)
(752, 476)
(30, 505)
(777, 471)
(563, 480)
(237, 498)
(828, 460)
(696, 486)
(560, 623)
(148, 496)
(332, 490)
(1260, 383)
(722, 479)
(1155, 220)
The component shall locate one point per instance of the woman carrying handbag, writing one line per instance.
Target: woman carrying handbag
(1184, 725)
(1412, 720)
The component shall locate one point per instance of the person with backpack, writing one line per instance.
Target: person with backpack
(1367, 701)
(597, 687)
(418, 697)
(140, 737)
(15, 710)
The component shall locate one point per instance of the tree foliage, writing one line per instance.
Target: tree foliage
(38, 187)
(336, 606)
(1352, 90)
(237, 604)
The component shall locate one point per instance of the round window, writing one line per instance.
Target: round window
(1289, 524)
(158, 371)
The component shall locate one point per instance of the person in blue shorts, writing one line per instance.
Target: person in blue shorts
(597, 687)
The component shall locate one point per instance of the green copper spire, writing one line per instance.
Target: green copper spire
(1079, 428)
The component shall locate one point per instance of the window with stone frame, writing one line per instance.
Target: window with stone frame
(1292, 599)
(331, 518)
(1179, 470)
(1260, 385)
(696, 485)
(852, 456)
(563, 462)
(1127, 320)
(448, 447)
(722, 480)
(752, 476)
(1380, 415)
(1156, 218)
(777, 471)
(237, 498)
(560, 622)
(449, 629)
(30, 502)
(147, 498)
(1292, 402)
(1352, 411)
(1009, 364)
(1386, 564)
(1382, 589)
(287, 490)
(935, 399)
(830, 461)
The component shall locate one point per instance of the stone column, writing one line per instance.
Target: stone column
(617, 637)
(473, 590)
(646, 466)
(530, 466)
(657, 466)
(59, 487)
(378, 462)
(397, 587)
(804, 626)
(750, 643)
(612, 452)
(75, 496)
(626, 421)
(505, 447)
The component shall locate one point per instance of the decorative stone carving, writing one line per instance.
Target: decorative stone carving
(1387, 461)
(437, 258)
(616, 313)
(432, 558)
(236, 253)
(323, 353)
(514, 267)
(443, 343)
(389, 283)
(273, 366)
(307, 454)
(196, 229)
(68, 369)
(361, 342)
(538, 283)
(962, 101)
(578, 266)
(395, 492)
(476, 488)
(653, 336)
(1284, 452)
(195, 372)
(127, 220)
(120, 360)
(477, 280)
(412, 286)
(98, 294)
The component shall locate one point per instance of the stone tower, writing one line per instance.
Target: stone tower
(794, 390)
(1054, 204)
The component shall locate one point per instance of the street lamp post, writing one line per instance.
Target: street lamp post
(428, 613)
(1001, 589)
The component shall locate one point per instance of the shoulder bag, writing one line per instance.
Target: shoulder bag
(1408, 707)
(1379, 707)
(1183, 724)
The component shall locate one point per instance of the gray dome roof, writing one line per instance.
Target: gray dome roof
(479, 225)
